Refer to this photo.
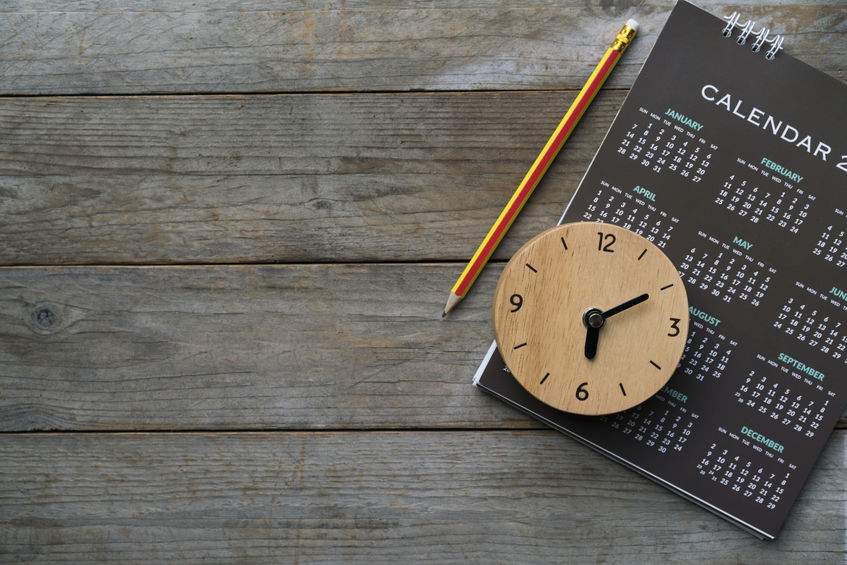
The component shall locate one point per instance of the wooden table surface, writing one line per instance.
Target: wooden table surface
(227, 231)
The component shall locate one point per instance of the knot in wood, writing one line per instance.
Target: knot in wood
(45, 317)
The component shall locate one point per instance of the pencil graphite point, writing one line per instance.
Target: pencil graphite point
(452, 300)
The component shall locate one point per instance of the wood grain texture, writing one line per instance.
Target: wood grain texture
(302, 347)
(155, 46)
(290, 178)
(322, 413)
(479, 497)
(250, 347)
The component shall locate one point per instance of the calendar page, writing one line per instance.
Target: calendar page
(735, 166)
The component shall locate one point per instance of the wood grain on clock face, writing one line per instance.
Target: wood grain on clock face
(541, 301)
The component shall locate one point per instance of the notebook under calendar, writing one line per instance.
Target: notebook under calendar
(734, 162)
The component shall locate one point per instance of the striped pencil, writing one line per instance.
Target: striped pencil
(541, 164)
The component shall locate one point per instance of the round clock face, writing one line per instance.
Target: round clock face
(591, 318)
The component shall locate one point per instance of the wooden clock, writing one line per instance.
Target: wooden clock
(591, 318)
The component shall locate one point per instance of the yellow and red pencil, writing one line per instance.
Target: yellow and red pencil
(541, 164)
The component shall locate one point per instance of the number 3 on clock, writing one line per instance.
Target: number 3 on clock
(674, 327)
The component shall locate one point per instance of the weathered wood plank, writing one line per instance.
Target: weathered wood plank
(291, 178)
(155, 46)
(242, 347)
(250, 347)
(480, 497)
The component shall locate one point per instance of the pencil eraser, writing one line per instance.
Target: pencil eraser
(632, 23)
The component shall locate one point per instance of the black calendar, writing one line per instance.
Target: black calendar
(733, 160)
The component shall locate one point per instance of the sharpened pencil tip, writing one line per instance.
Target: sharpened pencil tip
(451, 302)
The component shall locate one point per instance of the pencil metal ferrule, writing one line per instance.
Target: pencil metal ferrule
(624, 38)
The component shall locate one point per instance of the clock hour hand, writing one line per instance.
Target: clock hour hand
(626, 305)
(593, 320)
(591, 335)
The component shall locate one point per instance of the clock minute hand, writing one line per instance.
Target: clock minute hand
(626, 305)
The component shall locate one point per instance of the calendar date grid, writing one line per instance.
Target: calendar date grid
(784, 397)
(659, 144)
(831, 245)
(761, 197)
(734, 470)
(612, 204)
(707, 352)
(660, 424)
(725, 272)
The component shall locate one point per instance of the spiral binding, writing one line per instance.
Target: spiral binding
(762, 36)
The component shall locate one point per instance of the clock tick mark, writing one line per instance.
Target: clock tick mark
(654, 364)
(642, 255)
(622, 389)
(544, 379)
(521, 345)
(531, 268)
(666, 286)
(564, 243)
